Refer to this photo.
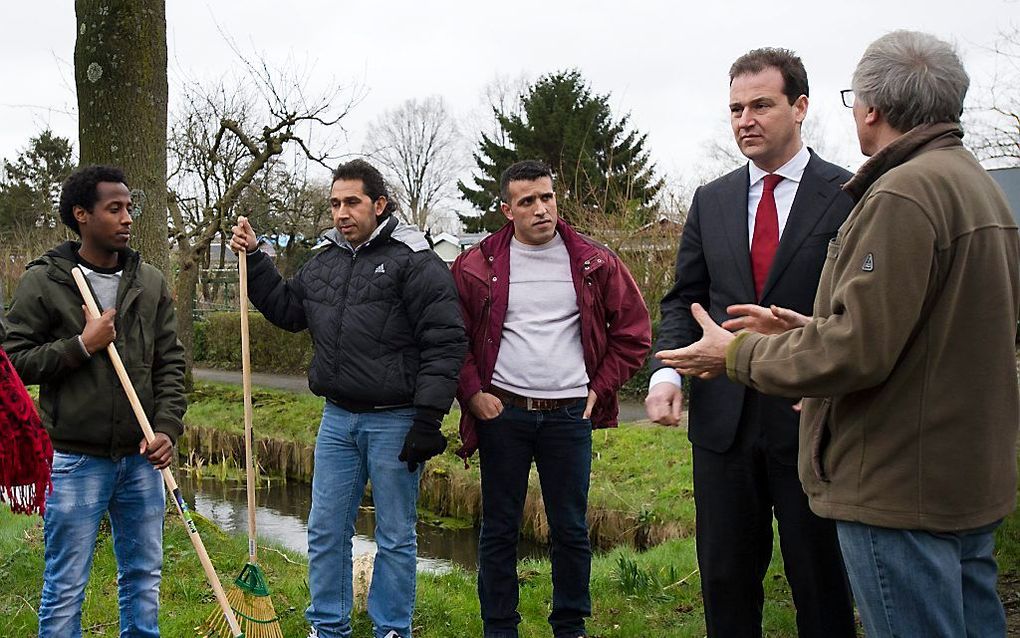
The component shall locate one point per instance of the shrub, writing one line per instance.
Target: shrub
(272, 349)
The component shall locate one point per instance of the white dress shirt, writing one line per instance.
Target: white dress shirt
(786, 191)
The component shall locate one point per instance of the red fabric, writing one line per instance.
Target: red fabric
(616, 332)
(26, 454)
(765, 239)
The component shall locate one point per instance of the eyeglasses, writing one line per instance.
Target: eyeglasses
(848, 97)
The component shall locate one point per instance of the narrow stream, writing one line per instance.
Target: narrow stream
(282, 516)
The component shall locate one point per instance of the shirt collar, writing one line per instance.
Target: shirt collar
(792, 170)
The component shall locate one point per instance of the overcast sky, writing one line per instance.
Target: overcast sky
(664, 62)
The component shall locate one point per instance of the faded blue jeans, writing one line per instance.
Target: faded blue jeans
(84, 488)
(917, 583)
(352, 448)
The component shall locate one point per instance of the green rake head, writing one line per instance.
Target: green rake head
(252, 580)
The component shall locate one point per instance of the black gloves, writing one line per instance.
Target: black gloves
(423, 440)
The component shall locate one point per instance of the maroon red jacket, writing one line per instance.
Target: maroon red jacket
(616, 331)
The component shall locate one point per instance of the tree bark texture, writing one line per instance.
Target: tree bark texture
(120, 71)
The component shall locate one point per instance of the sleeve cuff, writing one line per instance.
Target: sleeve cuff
(665, 375)
(81, 342)
(738, 357)
(172, 430)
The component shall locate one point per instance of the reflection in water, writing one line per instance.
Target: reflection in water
(282, 514)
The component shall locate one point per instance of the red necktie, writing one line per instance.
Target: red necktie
(766, 234)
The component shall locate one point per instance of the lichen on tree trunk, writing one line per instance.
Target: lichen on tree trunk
(120, 71)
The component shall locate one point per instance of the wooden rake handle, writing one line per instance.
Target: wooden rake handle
(168, 477)
(249, 462)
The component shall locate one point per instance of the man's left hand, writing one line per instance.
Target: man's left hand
(160, 452)
(423, 441)
(590, 405)
(706, 358)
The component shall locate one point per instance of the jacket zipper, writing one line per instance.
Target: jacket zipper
(343, 307)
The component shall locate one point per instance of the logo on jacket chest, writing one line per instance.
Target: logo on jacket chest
(380, 269)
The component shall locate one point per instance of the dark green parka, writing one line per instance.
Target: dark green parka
(81, 402)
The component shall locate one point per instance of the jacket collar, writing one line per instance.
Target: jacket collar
(62, 258)
(579, 247)
(920, 139)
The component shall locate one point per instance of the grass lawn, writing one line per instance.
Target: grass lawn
(648, 595)
(641, 470)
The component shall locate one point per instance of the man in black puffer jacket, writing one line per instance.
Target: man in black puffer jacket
(388, 344)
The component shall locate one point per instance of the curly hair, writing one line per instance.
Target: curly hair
(79, 189)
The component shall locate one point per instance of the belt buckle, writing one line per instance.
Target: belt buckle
(529, 404)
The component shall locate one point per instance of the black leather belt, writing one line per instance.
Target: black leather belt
(529, 403)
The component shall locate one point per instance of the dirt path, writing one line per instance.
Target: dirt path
(630, 411)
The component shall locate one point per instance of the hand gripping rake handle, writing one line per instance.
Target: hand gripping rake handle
(249, 464)
(168, 477)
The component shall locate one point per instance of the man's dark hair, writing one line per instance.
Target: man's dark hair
(795, 82)
(523, 171)
(371, 180)
(79, 189)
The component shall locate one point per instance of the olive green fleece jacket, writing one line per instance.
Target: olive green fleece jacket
(81, 402)
(909, 360)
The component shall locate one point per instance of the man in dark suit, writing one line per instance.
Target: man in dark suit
(754, 239)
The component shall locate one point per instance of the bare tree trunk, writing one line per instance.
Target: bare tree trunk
(120, 75)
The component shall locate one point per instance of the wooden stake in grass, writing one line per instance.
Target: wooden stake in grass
(249, 597)
(225, 613)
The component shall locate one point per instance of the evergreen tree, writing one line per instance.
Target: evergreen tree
(30, 185)
(601, 167)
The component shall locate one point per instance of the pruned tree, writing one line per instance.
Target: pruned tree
(418, 146)
(121, 77)
(224, 143)
(600, 163)
(296, 213)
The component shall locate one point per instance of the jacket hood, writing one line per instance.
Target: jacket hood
(65, 257)
(407, 234)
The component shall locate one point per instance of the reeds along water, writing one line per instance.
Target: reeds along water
(445, 492)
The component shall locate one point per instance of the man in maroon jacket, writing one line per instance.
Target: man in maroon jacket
(556, 325)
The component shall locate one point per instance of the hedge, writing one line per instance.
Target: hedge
(218, 344)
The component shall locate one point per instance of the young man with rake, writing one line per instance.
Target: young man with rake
(102, 464)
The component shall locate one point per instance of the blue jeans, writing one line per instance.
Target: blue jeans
(559, 442)
(916, 583)
(352, 448)
(84, 488)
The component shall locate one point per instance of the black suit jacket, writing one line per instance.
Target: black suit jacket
(713, 268)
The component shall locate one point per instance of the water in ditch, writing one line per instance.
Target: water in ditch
(282, 517)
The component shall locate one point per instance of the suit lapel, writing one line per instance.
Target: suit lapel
(732, 207)
(814, 195)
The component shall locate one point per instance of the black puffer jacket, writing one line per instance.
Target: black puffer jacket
(384, 319)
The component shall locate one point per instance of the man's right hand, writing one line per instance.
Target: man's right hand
(243, 237)
(485, 406)
(99, 331)
(664, 404)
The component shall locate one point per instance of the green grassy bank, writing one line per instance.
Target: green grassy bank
(641, 483)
